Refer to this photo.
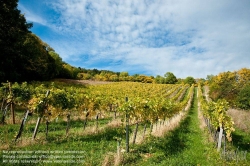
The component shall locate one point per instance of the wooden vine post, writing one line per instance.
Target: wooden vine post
(11, 104)
(127, 128)
(119, 147)
(151, 128)
(2, 109)
(220, 138)
(22, 125)
(135, 133)
(114, 110)
(41, 112)
(85, 121)
(118, 139)
(4, 114)
(36, 128)
(97, 123)
(47, 128)
(8, 104)
(68, 124)
(144, 131)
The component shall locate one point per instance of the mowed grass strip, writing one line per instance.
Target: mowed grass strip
(186, 145)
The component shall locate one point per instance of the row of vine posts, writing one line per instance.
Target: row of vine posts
(219, 129)
(42, 109)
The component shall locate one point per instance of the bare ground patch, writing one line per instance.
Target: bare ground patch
(241, 119)
(84, 82)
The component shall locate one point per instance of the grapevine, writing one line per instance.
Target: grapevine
(217, 113)
(147, 102)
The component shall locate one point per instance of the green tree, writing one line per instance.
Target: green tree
(189, 80)
(180, 81)
(210, 78)
(93, 72)
(123, 76)
(160, 80)
(35, 62)
(136, 78)
(170, 78)
(243, 98)
(58, 63)
(13, 30)
(69, 71)
(201, 81)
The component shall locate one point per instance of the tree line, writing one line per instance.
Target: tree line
(106, 75)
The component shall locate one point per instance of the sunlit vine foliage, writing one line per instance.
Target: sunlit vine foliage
(217, 113)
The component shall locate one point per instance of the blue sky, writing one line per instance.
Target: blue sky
(186, 37)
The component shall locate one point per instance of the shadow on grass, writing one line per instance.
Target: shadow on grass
(107, 135)
(61, 125)
(171, 145)
(241, 140)
(174, 142)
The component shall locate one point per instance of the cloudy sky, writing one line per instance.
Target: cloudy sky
(186, 37)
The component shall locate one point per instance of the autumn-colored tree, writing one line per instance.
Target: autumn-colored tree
(243, 77)
(114, 78)
(223, 86)
(232, 86)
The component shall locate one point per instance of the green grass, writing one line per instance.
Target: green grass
(95, 145)
(241, 142)
(186, 145)
(241, 139)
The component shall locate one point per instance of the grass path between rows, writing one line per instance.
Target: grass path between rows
(188, 144)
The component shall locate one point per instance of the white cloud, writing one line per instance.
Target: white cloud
(31, 16)
(189, 38)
